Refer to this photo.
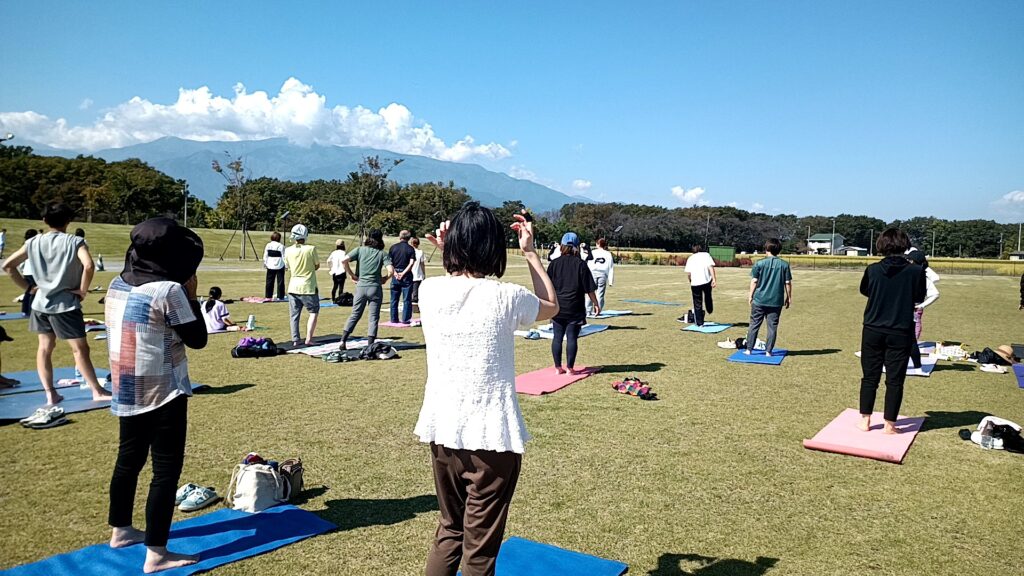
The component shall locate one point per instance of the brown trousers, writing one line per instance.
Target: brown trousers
(474, 489)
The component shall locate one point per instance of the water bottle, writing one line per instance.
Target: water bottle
(251, 322)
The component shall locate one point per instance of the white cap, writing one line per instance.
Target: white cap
(299, 232)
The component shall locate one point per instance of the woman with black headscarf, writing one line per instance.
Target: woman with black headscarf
(151, 316)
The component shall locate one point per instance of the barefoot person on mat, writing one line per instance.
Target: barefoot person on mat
(152, 315)
(893, 286)
(573, 282)
(470, 414)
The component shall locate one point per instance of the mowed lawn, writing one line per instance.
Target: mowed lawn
(711, 479)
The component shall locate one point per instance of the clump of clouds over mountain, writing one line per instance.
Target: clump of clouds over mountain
(297, 112)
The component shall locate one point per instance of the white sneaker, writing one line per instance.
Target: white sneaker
(53, 416)
(35, 415)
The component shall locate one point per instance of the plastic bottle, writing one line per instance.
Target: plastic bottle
(251, 322)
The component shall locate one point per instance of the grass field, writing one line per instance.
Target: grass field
(711, 479)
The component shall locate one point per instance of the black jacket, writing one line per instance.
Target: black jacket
(892, 286)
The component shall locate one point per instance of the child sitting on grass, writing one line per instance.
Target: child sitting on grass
(216, 315)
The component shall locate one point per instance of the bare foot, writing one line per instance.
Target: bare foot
(158, 558)
(573, 371)
(54, 399)
(101, 395)
(121, 537)
(865, 423)
(890, 428)
(309, 342)
(559, 370)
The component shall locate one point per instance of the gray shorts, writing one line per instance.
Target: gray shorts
(311, 302)
(66, 325)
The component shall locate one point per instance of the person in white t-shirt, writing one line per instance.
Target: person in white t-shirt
(470, 414)
(419, 270)
(700, 269)
(602, 266)
(336, 263)
(273, 261)
(3, 241)
(215, 313)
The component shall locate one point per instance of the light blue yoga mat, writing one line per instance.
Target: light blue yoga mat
(587, 330)
(14, 316)
(758, 357)
(521, 557)
(76, 399)
(708, 328)
(655, 302)
(611, 314)
(30, 379)
(219, 538)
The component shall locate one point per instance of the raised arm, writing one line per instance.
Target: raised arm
(542, 286)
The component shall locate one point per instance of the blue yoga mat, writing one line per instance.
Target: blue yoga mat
(14, 316)
(611, 314)
(520, 557)
(76, 399)
(30, 379)
(708, 328)
(655, 302)
(758, 357)
(1018, 371)
(219, 538)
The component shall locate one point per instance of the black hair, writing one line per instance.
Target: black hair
(892, 242)
(80, 232)
(275, 236)
(58, 215)
(375, 239)
(339, 245)
(569, 250)
(697, 248)
(215, 294)
(30, 233)
(773, 245)
(918, 257)
(475, 243)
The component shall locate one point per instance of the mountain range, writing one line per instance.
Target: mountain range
(190, 160)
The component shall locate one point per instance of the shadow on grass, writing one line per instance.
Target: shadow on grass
(821, 352)
(938, 419)
(649, 367)
(954, 367)
(697, 565)
(614, 327)
(351, 513)
(228, 389)
(308, 494)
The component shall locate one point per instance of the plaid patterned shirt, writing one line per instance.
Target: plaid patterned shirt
(148, 367)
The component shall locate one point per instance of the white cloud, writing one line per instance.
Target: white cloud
(297, 112)
(86, 104)
(1015, 198)
(757, 206)
(733, 204)
(693, 196)
(522, 173)
(581, 184)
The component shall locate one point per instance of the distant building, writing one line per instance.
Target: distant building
(1016, 255)
(825, 244)
(852, 251)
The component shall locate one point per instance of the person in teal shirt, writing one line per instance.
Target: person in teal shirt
(771, 290)
(371, 260)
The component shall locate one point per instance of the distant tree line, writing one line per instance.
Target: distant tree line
(129, 191)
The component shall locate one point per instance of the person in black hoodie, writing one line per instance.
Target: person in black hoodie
(892, 286)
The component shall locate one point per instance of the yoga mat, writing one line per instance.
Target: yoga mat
(30, 379)
(546, 381)
(219, 538)
(587, 330)
(328, 305)
(927, 367)
(521, 557)
(350, 345)
(611, 314)
(401, 325)
(317, 340)
(1018, 371)
(843, 437)
(260, 300)
(12, 316)
(655, 302)
(758, 357)
(708, 328)
(96, 328)
(76, 399)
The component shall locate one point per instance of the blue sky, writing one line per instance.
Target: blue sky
(893, 109)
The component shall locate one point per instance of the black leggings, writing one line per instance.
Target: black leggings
(339, 286)
(161, 431)
(571, 332)
(701, 301)
(878, 349)
(274, 278)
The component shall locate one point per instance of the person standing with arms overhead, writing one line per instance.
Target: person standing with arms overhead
(419, 269)
(602, 266)
(152, 315)
(62, 268)
(336, 264)
(771, 290)
(402, 258)
(470, 414)
(700, 269)
(303, 262)
(370, 262)
(893, 286)
(573, 282)
(273, 261)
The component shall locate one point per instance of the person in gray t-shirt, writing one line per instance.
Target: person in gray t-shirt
(62, 268)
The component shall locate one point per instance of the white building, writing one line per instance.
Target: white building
(825, 244)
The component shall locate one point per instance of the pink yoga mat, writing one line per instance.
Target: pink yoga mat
(843, 437)
(545, 380)
(414, 323)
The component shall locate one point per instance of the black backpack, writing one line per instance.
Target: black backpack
(256, 351)
(345, 299)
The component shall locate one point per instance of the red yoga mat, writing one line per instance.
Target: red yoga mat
(843, 437)
(545, 380)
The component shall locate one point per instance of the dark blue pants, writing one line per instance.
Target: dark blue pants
(401, 289)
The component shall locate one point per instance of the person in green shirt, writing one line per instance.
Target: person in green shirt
(771, 289)
(302, 261)
(370, 260)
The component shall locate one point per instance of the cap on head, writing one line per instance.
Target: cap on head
(299, 232)
(571, 239)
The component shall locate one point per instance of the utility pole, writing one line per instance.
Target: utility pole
(832, 242)
(871, 244)
(184, 188)
(1000, 256)
(1018, 235)
(933, 243)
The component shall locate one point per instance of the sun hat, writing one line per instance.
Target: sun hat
(299, 232)
(1006, 353)
(571, 239)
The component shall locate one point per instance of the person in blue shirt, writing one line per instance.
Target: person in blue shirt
(771, 290)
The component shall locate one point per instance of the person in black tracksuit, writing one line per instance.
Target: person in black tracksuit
(892, 285)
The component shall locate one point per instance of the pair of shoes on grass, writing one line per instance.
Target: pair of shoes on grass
(192, 497)
(45, 417)
(635, 387)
